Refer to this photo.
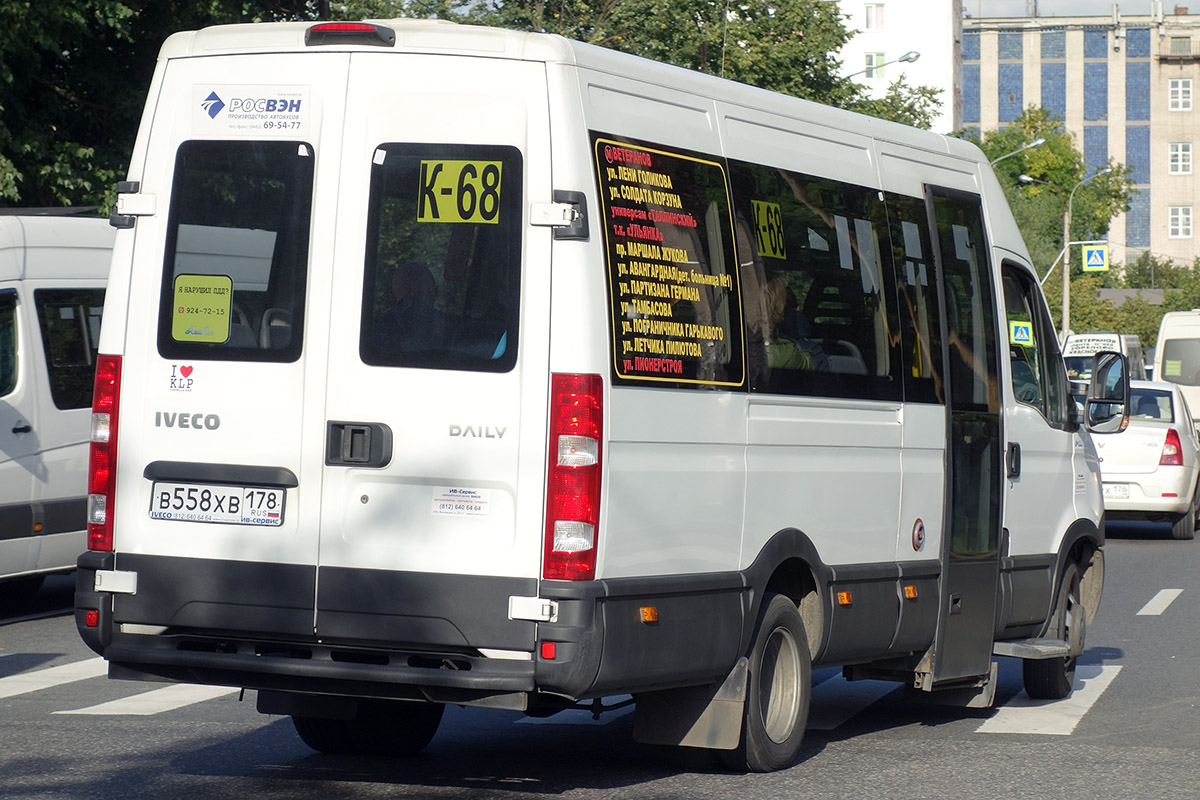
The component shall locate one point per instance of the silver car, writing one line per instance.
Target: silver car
(1150, 470)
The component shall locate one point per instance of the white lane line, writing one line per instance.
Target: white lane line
(1052, 717)
(1159, 602)
(835, 700)
(54, 676)
(168, 698)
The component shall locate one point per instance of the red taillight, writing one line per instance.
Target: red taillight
(573, 489)
(102, 457)
(1172, 452)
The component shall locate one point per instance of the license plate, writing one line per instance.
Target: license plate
(1117, 491)
(236, 505)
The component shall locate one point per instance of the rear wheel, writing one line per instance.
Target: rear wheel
(1185, 526)
(777, 693)
(381, 728)
(1053, 678)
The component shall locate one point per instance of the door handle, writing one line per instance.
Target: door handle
(26, 428)
(1014, 460)
(358, 444)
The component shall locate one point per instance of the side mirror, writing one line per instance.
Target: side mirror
(1106, 409)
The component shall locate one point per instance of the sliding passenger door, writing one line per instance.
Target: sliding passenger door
(974, 481)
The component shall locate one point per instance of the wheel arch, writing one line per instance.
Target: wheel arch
(1082, 544)
(789, 564)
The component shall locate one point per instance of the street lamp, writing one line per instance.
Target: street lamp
(1066, 297)
(909, 57)
(1038, 142)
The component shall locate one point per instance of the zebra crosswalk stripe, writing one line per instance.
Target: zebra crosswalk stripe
(157, 701)
(52, 676)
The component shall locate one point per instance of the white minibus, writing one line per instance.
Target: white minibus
(53, 266)
(1177, 353)
(452, 365)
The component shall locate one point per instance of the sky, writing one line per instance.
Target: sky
(1069, 8)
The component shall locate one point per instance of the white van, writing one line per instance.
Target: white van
(1079, 349)
(52, 273)
(1177, 353)
(445, 364)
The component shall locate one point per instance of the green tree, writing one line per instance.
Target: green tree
(788, 47)
(73, 80)
(1056, 168)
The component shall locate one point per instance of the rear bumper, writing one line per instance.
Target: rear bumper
(442, 638)
(1145, 494)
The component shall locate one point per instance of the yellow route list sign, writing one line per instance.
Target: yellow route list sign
(202, 304)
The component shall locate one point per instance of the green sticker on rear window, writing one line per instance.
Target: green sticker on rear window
(201, 312)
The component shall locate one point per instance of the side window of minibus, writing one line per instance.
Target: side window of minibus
(70, 325)
(1038, 375)
(8, 342)
(819, 296)
(916, 279)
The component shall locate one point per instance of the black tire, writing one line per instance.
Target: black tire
(1185, 527)
(778, 690)
(1053, 678)
(324, 735)
(382, 728)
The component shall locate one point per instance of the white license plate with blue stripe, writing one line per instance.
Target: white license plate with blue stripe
(199, 502)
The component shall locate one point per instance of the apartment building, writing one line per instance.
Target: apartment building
(885, 30)
(1124, 87)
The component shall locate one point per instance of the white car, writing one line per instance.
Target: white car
(1150, 471)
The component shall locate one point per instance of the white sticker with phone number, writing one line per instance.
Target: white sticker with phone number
(453, 501)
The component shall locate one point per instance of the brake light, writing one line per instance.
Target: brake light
(344, 33)
(573, 486)
(1172, 452)
(103, 454)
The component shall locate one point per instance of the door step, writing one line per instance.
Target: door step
(1032, 648)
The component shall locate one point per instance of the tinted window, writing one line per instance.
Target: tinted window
(237, 251)
(916, 279)
(673, 289)
(817, 284)
(8, 342)
(443, 259)
(1037, 374)
(70, 325)
(970, 308)
(1180, 362)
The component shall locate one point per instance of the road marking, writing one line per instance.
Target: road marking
(168, 698)
(1159, 602)
(1052, 717)
(836, 700)
(54, 676)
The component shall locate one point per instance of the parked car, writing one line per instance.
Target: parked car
(1150, 471)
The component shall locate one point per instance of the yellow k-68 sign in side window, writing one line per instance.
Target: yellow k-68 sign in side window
(459, 191)
(201, 312)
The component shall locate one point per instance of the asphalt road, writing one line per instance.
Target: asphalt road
(1130, 729)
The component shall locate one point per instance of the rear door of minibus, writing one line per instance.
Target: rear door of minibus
(435, 411)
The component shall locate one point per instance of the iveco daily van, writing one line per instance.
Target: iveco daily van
(52, 272)
(450, 365)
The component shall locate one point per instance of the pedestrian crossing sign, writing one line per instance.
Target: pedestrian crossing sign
(1020, 333)
(1095, 258)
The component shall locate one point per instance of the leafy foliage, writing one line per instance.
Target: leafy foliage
(74, 73)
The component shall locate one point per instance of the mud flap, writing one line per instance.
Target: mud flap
(980, 694)
(708, 716)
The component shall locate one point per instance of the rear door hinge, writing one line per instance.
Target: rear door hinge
(131, 204)
(535, 609)
(567, 215)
